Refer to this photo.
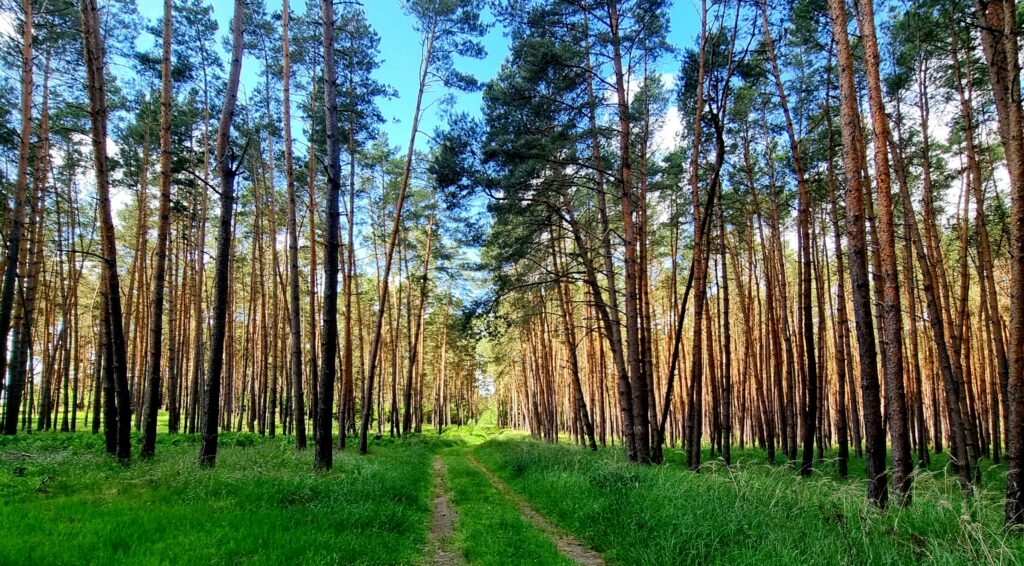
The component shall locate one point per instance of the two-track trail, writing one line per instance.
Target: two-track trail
(442, 544)
(568, 545)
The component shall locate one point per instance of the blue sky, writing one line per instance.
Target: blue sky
(400, 50)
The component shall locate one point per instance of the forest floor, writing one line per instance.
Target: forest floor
(472, 496)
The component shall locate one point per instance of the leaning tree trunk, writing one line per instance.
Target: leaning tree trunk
(936, 318)
(228, 172)
(93, 42)
(375, 345)
(694, 401)
(20, 203)
(32, 266)
(609, 310)
(804, 243)
(989, 295)
(569, 334)
(892, 313)
(856, 234)
(999, 43)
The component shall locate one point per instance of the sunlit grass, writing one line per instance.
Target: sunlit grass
(63, 501)
(490, 528)
(751, 513)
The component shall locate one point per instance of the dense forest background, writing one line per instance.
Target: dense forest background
(823, 258)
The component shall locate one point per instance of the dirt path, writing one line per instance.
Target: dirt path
(566, 544)
(441, 549)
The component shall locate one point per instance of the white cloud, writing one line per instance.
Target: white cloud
(6, 24)
(666, 136)
(666, 128)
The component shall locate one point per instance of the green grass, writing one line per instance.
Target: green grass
(62, 501)
(490, 528)
(750, 514)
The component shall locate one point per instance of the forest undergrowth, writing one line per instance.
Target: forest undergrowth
(62, 501)
(751, 512)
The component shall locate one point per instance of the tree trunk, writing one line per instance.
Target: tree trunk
(323, 458)
(228, 172)
(295, 322)
(416, 332)
(375, 345)
(804, 244)
(569, 334)
(878, 492)
(999, 43)
(892, 329)
(694, 401)
(638, 384)
(842, 328)
(156, 318)
(94, 56)
(609, 310)
(18, 214)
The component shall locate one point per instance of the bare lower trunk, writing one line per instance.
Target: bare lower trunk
(878, 492)
(156, 326)
(18, 214)
(324, 458)
(92, 38)
(294, 320)
(228, 172)
(396, 224)
(999, 43)
(892, 309)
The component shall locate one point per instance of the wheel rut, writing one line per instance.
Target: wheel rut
(568, 545)
(442, 550)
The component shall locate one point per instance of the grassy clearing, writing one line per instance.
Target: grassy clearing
(63, 501)
(490, 528)
(753, 513)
